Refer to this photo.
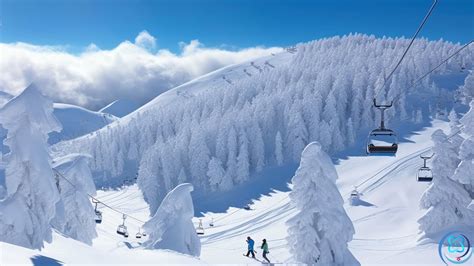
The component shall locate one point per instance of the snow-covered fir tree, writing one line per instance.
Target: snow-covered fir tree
(171, 227)
(279, 149)
(74, 213)
(216, 174)
(464, 173)
(31, 193)
(467, 89)
(319, 232)
(455, 136)
(445, 200)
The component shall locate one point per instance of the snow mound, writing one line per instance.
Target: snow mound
(171, 227)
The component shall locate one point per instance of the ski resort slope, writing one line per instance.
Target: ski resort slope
(385, 220)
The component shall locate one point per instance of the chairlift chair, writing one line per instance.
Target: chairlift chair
(424, 174)
(139, 234)
(355, 196)
(200, 228)
(98, 217)
(98, 214)
(247, 207)
(382, 140)
(122, 229)
(211, 224)
(354, 193)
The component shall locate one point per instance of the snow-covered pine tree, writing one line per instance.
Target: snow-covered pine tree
(297, 132)
(150, 178)
(454, 124)
(171, 227)
(279, 149)
(182, 176)
(318, 234)
(74, 213)
(231, 166)
(199, 156)
(464, 173)
(467, 89)
(445, 200)
(243, 158)
(216, 174)
(31, 193)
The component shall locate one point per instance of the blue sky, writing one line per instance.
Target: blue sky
(225, 23)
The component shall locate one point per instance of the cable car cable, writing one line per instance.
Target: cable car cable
(408, 47)
(96, 199)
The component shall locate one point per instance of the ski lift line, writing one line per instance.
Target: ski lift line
(440, 64)
(96, 199)
(435, 68)
(408, 47)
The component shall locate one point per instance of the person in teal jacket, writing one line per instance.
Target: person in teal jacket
(265, 249)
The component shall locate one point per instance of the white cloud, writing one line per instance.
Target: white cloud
(145, 40)
(97, 77)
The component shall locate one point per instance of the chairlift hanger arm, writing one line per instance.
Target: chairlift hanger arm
(384, 106)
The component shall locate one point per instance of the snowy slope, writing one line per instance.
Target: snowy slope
(4, 98)
(77, 121)
(120, 108)
(386, 228)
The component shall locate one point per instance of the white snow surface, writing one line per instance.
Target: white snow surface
(386, 228)
(120, 108)
(77, 121)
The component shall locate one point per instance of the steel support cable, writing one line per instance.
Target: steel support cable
(408, 47)
(97, 200)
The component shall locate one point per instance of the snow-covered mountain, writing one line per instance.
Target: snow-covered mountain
(77, 121)
(120, 108)
(4, 98)
(245, 118)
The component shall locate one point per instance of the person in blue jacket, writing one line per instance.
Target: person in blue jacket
(250, 244)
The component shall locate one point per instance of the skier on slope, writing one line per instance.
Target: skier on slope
(250, 244)
(265, 249)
